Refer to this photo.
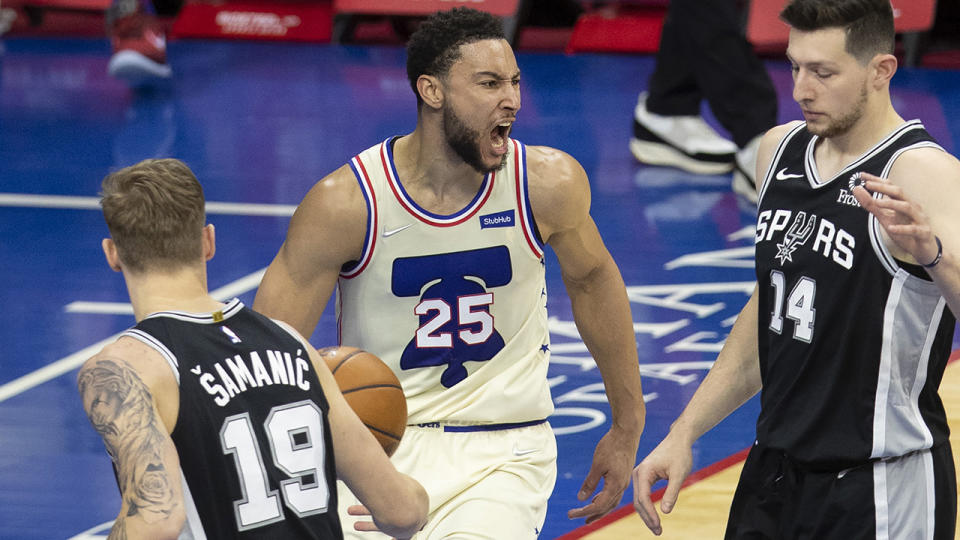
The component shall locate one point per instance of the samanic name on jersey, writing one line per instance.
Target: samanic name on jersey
(830, 241)
(242, 374)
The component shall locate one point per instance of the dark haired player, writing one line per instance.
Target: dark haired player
(851, 325)
(435, 243)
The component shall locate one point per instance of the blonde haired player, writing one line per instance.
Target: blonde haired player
(220, 422)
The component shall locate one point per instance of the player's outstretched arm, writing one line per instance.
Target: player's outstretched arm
(918, 208)
(397, 502)
(560, 197)
(326, 231)
(122, 409)
(733, 379)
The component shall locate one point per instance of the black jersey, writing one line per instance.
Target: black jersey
(252, 432)
(853, 343)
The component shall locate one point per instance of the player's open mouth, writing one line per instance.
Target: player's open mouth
(499, 137)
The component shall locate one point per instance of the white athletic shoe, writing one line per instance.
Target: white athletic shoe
(685, 142)
(744, 173)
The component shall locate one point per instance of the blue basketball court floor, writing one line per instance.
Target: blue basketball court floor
(259, 124)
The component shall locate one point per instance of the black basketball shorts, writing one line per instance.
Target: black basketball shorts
(912, 496)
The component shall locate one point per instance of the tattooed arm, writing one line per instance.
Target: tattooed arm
(123, 410)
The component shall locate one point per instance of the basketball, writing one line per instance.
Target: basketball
(372, 391)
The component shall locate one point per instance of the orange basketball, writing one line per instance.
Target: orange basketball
(371, 390)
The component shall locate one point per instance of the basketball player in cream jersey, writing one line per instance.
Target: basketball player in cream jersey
(435, 243)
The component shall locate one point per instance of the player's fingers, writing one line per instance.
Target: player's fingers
(642, 501)
(899, 205)
(583, 511)
(864, 197)
(909, 229)
(592, 511)
(589, 484)
(886, 209)
(670, 496)
(357, 510)
(603, 503)
(365, 526)
(876, 185)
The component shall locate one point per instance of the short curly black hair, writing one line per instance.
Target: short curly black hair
(435, 46)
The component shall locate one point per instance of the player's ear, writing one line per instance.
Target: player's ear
(883, 66)
(110, 252)
(209, 242)
(431, 91)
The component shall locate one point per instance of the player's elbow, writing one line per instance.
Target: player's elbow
(407, 515)
(171, 530)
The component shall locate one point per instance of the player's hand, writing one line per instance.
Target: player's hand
(669, 461)
(364, 526)
(612, 461)
(904, 221)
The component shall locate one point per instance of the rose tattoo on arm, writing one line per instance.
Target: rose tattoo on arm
(120, 407)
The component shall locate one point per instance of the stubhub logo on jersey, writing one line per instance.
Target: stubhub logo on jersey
(499, 219)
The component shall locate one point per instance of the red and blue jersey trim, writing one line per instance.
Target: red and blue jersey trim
(523, 200)
(437, 220)
(369, 243)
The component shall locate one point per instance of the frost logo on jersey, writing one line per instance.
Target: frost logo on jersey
(797, 236)
(455, 323)
(846, 197)
(855, 180)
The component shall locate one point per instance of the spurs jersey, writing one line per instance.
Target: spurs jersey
(454, 304)
(252, 434)
(853, 343)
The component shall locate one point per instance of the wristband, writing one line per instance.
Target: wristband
(939, 256)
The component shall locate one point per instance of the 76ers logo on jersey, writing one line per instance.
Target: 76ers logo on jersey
(456, 325)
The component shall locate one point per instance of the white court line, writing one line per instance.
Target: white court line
(99, 308)
(93, 203)
(73, 361)
(227, 292)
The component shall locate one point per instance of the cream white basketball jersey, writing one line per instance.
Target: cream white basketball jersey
(454, 304)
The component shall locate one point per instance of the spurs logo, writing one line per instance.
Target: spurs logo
(799, 233)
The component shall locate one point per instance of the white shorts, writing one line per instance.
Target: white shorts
(482, 484)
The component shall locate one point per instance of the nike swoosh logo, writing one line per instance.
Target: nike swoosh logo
(518, 452)
(392, 232)
(196, 370)
(782, 175)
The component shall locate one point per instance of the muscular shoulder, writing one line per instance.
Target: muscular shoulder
(927, 161)
(126, 350)
(930, 177)
(131, 363)
(559, 189)
(335, 197)
(331, 217)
